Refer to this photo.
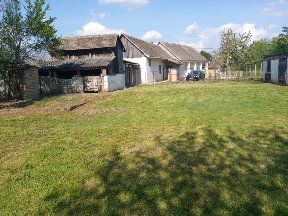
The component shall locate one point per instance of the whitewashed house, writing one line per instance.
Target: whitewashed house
(153, 60)
(189, 59)
(275, 69)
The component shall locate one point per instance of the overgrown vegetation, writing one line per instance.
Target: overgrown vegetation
(25, 33)
(236, 51)
(200, 149)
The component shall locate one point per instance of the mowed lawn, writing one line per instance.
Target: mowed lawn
(167, 149)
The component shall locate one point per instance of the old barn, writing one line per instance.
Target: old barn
(87, 64)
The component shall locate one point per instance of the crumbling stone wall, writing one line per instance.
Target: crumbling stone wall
(53, 85)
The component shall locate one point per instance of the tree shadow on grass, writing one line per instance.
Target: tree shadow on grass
(200, 172)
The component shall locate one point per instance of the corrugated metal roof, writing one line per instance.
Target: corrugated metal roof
(276, 56)
(96, 62)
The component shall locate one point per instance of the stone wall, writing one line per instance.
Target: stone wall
(52, 85)
(74, 85)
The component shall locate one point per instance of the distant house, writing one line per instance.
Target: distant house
(88, 64)
(275, 69)
(154, 63)
(189, 59)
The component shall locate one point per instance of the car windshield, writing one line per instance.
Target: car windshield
(197, 72)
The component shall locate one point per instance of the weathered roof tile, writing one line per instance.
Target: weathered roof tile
(149, 49)
(183, 52)
(89, 42)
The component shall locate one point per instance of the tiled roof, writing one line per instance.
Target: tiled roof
(183, 52)
(89, 42)
(97, 62)
(149, 49)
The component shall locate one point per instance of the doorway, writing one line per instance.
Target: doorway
(282, 69)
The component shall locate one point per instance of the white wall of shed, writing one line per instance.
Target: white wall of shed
(149, 74)
(113, 82)
(143, 62)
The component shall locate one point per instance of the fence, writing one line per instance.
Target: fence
(226, 75)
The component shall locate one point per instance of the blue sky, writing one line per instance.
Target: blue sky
(196, 23)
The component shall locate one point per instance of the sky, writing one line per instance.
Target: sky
(196, 23)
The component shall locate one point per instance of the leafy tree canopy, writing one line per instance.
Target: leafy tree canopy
(207, 55)
(25, 32)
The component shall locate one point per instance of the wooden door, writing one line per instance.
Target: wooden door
(282, 69)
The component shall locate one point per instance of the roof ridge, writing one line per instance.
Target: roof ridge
(89, 36)
(178, 44)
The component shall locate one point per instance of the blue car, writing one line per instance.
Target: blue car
(195, 76)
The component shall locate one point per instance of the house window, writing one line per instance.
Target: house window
(269, 66)
(149, 62)
(160, 69)
(203, 66)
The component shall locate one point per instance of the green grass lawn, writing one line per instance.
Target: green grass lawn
(169, 149)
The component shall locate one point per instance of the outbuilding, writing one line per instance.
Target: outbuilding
(275, 69)
(88, 64)
(154, 63)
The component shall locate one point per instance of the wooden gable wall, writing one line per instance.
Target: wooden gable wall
(131, 50)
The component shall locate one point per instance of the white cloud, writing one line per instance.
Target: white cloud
(102, 15)
(151, 35)
(126, 3)
(210, 37)
(191, 28)
(93, 28)
(276, 8)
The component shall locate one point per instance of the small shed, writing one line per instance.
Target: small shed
(275, 69)
(29, 83)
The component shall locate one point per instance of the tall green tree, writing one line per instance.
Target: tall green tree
(233, 49)
(207, 55)
(256, 52)
(26, 31)
(279, 45)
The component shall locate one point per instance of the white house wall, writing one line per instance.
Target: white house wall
(187, 67)
(149, 74)
(153, 71)
(183, 71)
